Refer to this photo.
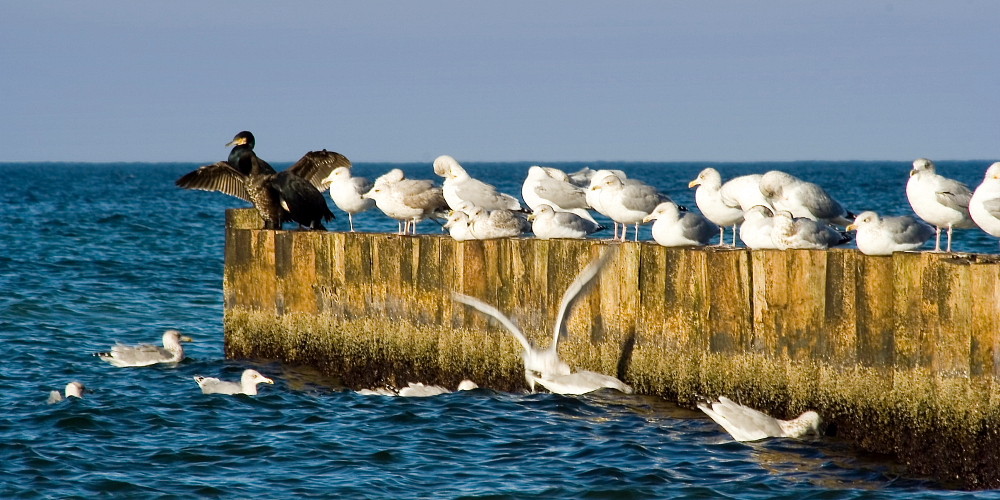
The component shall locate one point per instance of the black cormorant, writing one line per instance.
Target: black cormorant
(291, 195)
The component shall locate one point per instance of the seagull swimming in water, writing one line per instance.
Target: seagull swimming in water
(247, 384)
(543, 366)
(147, 354)
(747, 424)
(73, 390)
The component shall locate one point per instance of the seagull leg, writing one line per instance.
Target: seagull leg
(636, 231)
(937, 240)
(734, 235)
(722, 236)
(351, 220)
(949, 238)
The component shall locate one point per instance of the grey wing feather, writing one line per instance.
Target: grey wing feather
(992, 206)
(906, 230)
(140, 354)
(823, 205)
(698, 228)
(746, 417)
(221, 177)
(563, 194)
(361, 184)
(640, 196)
(485, 195)
(954, 194)
(315, 166)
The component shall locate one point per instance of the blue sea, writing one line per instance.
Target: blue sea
(93, 254)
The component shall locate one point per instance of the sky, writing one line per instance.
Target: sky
(516, 80)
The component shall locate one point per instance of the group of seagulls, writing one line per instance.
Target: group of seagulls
(774, 210)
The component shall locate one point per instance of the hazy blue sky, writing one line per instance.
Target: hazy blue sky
(512, 80)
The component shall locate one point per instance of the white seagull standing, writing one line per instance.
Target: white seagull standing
(984, 206)
(724, 204)
(747, 424)
(347, 192)
(627, 201)
(247, 384)
(885, 235)
(543, 366)
(940, 201)
(675, 229)
(148, 354)
(73, 390)
(460, 187)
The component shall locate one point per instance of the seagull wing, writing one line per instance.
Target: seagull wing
(495, 314)
(581, 284)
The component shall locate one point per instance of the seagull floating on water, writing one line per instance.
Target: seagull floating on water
(147, 354)
(747, 424)
(73, 390)
(247, 384)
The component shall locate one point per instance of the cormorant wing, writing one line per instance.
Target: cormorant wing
(315, 166)
(221, 177)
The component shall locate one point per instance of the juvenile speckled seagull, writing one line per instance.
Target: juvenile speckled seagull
(940, 201)
(747, 424)
(73, 390)
(247, 384)
(148, 354)
(984, 207)
(543, 366)
(885, 235)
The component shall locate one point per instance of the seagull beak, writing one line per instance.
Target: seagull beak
(531, 216)
(647, 218)
(185, 338)
(267, 381)
(913, 172)
(851, 227)
(694, 183)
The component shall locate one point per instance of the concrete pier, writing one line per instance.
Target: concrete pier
(900, 355)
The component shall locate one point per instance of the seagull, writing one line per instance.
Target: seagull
(803, 233)
(407, 200)
(803, 199)
(940, 201)
(758, 224)
(675, 229)
(724, 204)
(500, 223)
(418, 390)
(628, 201)
(73, 390)
(543, 366)
(247, 384)
(547, 223)
(552, 187)
(458, 226)
(593, 194)
(347, 192)
(984, 206)
(459, 186)
(146, 354)
(885, 235)
(747, 424)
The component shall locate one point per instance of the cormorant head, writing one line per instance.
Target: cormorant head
(244, 137)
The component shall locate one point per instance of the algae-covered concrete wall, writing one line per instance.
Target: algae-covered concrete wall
(899, 354)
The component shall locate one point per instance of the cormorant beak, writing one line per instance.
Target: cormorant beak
(237, 141)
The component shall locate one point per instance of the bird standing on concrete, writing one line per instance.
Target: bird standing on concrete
(940, 201)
